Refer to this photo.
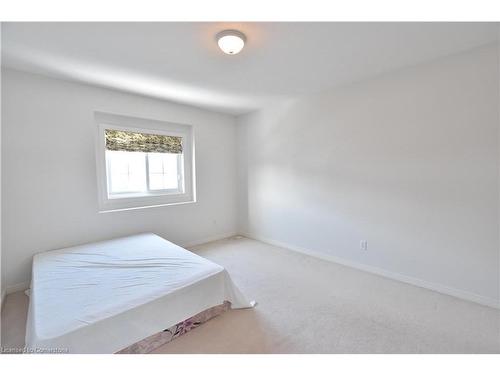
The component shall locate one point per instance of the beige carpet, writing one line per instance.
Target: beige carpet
(308, 305)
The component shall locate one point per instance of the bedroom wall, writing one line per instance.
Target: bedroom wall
(408, 161)
(49, 190)
(2, 281)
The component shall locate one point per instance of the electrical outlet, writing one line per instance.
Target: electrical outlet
(363, 245)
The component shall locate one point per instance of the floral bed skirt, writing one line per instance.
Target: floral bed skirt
(161, 338)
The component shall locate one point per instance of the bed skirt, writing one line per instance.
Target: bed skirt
(161, 338)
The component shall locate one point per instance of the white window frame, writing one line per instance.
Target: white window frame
(129, 201)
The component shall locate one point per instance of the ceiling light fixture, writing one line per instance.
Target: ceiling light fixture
(231, 41)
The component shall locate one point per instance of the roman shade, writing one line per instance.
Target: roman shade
(119, 140)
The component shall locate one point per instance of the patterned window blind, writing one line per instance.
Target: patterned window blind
(119, 140)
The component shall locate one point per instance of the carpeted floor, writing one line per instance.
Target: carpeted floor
(306, 305)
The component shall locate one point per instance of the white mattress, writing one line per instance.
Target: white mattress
(102, 297)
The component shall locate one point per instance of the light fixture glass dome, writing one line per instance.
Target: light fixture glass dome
(231, 41)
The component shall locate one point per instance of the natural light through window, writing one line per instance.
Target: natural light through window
(140, 172)
(141, 167)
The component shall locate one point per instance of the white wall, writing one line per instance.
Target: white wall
(407, 161)
(49, 177)
(2, 282)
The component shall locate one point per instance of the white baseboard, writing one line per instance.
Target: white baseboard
(482, 300)
(462, 294)
(209, 239)
(17, 287)
(13, 289)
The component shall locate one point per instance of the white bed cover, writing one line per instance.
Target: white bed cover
(105, 296)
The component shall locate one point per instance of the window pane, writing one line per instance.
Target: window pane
(163, 171)
(126, 171)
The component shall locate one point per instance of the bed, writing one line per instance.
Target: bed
(127, 295)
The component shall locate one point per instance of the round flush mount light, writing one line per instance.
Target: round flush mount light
(231, 41)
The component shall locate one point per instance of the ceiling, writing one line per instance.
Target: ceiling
(181, 62)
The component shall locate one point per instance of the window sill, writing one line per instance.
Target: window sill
(105, 211)
(145, 195)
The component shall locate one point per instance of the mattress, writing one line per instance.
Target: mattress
(106, 296)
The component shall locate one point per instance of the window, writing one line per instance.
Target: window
(149, 164)
(143, 164)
